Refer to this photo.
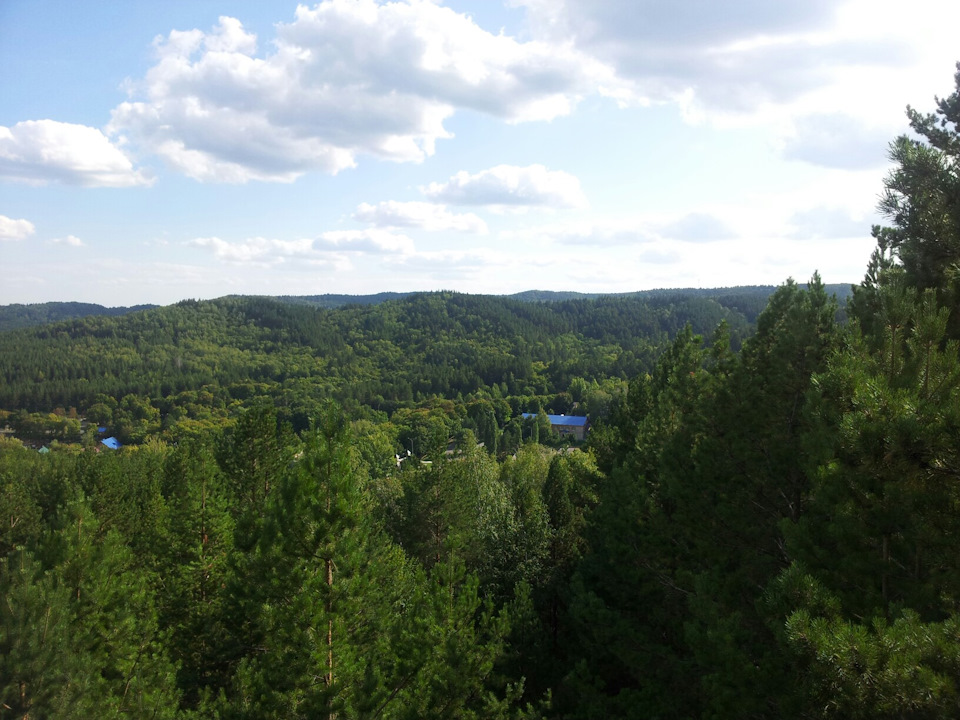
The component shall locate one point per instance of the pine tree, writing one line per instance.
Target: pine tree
(347, 626)
(920, 199)
(871, 599)
(627, 607)
(82, 639)
(195, 571)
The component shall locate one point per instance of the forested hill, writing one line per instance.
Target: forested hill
(331, 301)
(18, 316)
(748, 299)
(399, 351)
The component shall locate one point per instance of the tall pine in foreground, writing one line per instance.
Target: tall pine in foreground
(687, 528)
(195, 570)
(872, 601)
(350, 627)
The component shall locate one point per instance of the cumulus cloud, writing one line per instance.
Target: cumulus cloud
(835, 140)
(732, 57)
(697, 227)
(423, 215)
(70, 241)
(330, 245)
(448, 265)
(693, 227)
(595, 234)
(257, 250)
(374, 241)
(510, 187)
(659, 256)
(346, 77)
(44, 151)
(828, 222)
(11, 229)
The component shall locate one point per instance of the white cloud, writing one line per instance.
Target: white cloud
(749, 62)
(230, 37)
(257, 250)
(43, 151)
(446, 265)
(11, 229)
(693, 227)
(423, 215)
(345, 78)
(830, 222)
(599, 233)
(659, 256)
(838, 141)
(510, 187)
(70, 240)
(697, 227)
(374, 241)
(733, 55)
(329, 247)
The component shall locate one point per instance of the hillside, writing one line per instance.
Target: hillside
(748, 299)
(18, 316)
(385, 355)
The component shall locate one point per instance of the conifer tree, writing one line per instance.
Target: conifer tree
(348, 626)
(920, 200)
(195, 571)
(82, 639)
(627, 607)
(871, 599)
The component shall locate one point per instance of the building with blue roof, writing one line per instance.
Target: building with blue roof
(574, 425)
(112, 443)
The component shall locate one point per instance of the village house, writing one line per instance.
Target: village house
(571, 425)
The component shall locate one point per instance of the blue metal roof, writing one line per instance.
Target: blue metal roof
(574, 420)
(112, 443)
(571, 420)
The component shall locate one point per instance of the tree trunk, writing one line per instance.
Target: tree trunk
(884, 576)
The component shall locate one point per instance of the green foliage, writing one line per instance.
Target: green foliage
(21, 517)
(195, 569)
(870, 603)
(18, 316)
(907, 669)
(762, 525)
(919, 200)
(705, 465)
(81, 638)
(383, 356)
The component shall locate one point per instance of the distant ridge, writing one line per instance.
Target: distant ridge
(335, 301)
(746, 299)
(19, 316)
(742, 298)
(841, 290)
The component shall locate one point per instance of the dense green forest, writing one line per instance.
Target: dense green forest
(748, 300)
(198, 361)
(763, 521)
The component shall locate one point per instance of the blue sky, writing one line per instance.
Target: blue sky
(161, 151)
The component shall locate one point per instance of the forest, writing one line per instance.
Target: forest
(189, 367)
(343, 512)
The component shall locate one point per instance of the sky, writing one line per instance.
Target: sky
(153, 152)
